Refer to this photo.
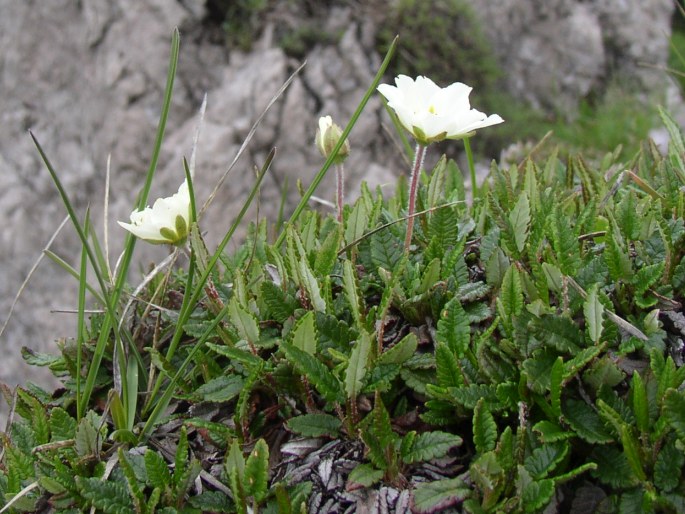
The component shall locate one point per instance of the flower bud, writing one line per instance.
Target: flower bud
(327, 136)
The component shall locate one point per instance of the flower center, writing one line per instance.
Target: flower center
(431, 109)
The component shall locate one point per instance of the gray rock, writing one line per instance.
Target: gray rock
(555, 52)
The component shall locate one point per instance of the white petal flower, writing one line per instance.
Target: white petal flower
(432, 113)
(167, 221)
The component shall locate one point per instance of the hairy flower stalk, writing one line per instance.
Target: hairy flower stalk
(327, 137)
(166, 222)
(419, 156)
(431, 114)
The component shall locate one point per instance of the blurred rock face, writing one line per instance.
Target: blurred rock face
(87, 78)
(557, 51)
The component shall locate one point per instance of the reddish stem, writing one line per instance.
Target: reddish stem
(419, 155)
(340, 190)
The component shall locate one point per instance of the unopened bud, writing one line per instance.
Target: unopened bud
(327, 136)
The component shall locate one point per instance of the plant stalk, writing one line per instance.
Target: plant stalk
(419, 155)
(340, 189)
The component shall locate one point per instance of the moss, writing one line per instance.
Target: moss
(441, 39)
(239, 20)
(298, 27)
(296, 43)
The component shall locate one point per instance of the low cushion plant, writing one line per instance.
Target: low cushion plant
(521, 351)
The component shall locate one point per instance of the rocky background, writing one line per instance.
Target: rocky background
(87, 78)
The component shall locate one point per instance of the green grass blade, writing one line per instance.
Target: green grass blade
(111, 322)
(343, 137)
(162, 402)
(189, 301)
(72, 271)
(81, 332)
(97, 249)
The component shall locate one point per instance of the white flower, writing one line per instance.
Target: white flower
(432, 113)
(167, 221)
(327, 136)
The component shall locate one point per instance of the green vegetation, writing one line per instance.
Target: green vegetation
(526, 352)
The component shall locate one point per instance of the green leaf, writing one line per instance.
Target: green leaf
(304, 336)
(519, 217)
(386, 250)
(495, 268)
(586, 422)
(454, 329)
(401, 352)
(627, 216)
(442, 229)
(236, 354)
(484, 428)
(631, 448)
(257, 471)
(511, 294)
(674, 411)
(559, 332)
(132, 481)
(674, 132)
(447, 367)
(211, 501)
(363, 476)
(430, 445)
(315, 425)
(638, 393)
(356, 366)
(87, 440)
(632, 502)
(668, 467)
(62, 425)
(181, 457)
(544, 460)
(436, 185)
(357, 222)
(564, 242)
(617, 258)
(243, 320)
(380, 378)
(580, 360)
(647, 276)
(593, 311)
(157, 470)
(534, 494)
(351, 291)
(317, 373)
(556, 386)
(468, 396)
(109, 497)
(612, 467)
(553, 276)
(551, 432)
(235, 469)
(327, 254)
(433, 497)
(220, 389)
(431, 275)
(281, 305)
(379, 437)
(311, 285)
